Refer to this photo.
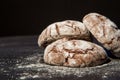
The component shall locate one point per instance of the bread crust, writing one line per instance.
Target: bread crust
(105, 31)
(74, 53)
(69, 28)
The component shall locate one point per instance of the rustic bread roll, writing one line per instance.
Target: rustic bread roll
(74, 53)
(105, 31)
(68, 28)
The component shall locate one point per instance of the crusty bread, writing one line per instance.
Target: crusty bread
(74, 53)
(105, 31)
(69, 28)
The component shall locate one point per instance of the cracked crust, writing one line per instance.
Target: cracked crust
(74, 53)
(104, 30)
(68, 28)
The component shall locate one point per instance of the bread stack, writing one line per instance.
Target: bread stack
(71, 43)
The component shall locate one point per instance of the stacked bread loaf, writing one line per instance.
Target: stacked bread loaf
(70, 43)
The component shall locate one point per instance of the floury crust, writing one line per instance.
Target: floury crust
(69, 28)
(105, 31)
(74, 53)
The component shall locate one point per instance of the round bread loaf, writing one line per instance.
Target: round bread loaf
(69, 28)
(74, 53)
(105, 31)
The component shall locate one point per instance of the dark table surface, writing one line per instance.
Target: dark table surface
(22, 59)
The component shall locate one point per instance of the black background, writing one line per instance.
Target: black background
(30, 17)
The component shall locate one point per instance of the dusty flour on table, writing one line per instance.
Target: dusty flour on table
(33, 67)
